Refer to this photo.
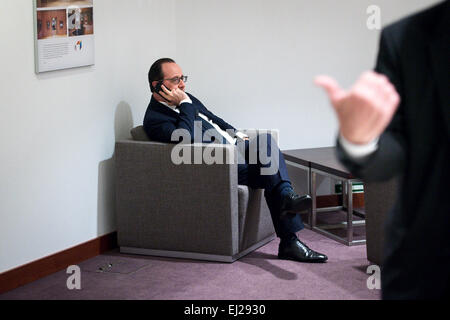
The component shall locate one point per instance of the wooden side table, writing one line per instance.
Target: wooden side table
(323, 161)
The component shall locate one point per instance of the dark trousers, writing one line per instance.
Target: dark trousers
(250, 175)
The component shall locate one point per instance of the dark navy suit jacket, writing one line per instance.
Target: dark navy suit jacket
(160, 121)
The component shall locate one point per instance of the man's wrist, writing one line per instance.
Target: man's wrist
(358, 151)
(185, 100)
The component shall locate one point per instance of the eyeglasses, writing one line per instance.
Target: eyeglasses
(177, 80)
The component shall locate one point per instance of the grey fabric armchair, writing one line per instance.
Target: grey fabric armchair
(193, 211)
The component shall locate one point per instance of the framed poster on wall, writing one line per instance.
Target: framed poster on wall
(64, 34)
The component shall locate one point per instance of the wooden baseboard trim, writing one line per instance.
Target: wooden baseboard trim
(35, 270)
(335, 200)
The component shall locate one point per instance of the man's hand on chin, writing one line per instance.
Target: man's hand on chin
(174, 97)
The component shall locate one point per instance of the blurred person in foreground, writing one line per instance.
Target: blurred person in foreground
(396, 122)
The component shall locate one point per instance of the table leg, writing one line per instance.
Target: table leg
(349, 188)
(309, 193)
(344, 194)
(314, 200)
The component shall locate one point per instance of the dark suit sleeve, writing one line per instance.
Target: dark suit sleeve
(389, 160)
(219, 121)
(161, 129)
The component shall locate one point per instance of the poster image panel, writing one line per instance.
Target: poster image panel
(64, 34)
(62, 3)
(81, 21)
(51, 23)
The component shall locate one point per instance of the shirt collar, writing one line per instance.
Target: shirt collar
(174, 108)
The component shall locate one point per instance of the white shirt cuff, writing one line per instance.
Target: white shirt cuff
(187, 100)
(359, 151)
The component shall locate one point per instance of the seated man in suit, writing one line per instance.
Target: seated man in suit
(171, 109)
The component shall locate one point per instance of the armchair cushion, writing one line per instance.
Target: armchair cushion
(139, 134)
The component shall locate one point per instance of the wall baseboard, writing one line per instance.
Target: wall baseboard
(35, 270)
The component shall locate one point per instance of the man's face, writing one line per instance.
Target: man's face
(172, 73)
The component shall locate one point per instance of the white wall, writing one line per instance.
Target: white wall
(57, 130)
(254, 61)
(250, 61)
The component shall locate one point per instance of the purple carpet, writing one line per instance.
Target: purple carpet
(258, 276)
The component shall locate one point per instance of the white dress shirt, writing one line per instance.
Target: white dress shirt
(225, 134)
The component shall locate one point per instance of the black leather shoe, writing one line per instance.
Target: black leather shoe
(298, 251)
(294, 204)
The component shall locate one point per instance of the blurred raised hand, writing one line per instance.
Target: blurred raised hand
(366, 109)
